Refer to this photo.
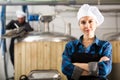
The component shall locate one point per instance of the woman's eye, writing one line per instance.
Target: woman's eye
(90, 21)
(83, 22)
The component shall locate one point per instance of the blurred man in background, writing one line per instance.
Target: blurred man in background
(16, 24)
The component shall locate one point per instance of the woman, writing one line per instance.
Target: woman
(87, 58)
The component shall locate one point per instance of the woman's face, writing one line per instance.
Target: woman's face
(88, 25)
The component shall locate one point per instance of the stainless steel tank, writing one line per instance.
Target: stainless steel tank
(40, 50)
(46, 36)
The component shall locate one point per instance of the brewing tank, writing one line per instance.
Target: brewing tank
(46, 36)
(40, 50)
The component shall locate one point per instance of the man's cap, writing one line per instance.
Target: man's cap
(20, 14)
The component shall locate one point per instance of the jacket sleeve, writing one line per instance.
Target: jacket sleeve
(71, 71)
(67, 66)
(10, 25)
(106, 66)
(27, 27)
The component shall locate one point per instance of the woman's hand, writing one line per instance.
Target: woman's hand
(104, 58)
(82, 65)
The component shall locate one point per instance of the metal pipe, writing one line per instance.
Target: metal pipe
(35, 3)
(52, 28)
(46, 26)
(71, 2)
(68, 29)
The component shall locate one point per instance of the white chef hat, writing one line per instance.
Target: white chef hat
(20, 14)
(87, 10)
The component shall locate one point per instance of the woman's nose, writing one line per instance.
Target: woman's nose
(87, 25)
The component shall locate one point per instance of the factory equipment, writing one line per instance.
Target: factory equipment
(40, 50)
(42, 75)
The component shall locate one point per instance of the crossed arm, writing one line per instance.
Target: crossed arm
(85, 66)
(101, 68)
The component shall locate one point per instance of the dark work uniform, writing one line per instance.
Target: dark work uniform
(85, 58)
(11, 25)
(76, 52)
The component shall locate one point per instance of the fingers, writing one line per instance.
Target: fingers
(104, 58)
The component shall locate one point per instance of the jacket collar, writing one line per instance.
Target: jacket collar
(96, 40)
